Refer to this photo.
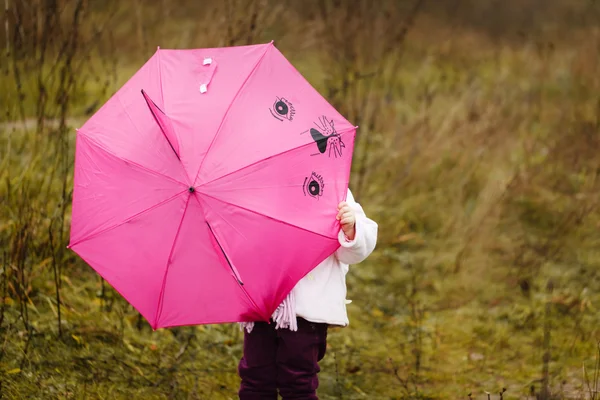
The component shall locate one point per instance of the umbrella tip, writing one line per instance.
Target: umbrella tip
(157, 48)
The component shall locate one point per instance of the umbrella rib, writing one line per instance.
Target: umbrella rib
(159, 305)
(233, 270)
(158, 123)
(269, 46)
(136, 128)
(151, 171)
(269, 217)
(342, 132)
(110, 228)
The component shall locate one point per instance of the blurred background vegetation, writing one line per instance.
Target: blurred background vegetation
(478, 153)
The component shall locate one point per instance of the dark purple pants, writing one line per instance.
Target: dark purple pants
(282, 359)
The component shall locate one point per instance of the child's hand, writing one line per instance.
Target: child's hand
(347, 218)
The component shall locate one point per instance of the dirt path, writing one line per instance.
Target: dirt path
(31, 123)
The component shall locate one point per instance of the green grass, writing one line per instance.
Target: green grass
(479, 342)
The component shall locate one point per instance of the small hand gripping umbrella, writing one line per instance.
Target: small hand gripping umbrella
(207, 186)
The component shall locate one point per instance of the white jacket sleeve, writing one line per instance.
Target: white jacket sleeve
(365, 239)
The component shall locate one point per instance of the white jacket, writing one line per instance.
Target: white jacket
(321, 295)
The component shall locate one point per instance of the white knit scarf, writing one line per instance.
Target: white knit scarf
(284, 316)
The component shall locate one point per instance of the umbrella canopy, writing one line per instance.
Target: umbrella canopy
(208, 185)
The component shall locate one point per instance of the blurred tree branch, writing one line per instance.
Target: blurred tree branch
(363, 44)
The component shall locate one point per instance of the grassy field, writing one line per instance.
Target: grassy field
(478, 154)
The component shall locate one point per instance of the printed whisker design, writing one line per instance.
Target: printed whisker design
(327, 138)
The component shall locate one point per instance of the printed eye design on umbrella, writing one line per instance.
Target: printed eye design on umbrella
(313, 186)
(327, 138)
(283, 109)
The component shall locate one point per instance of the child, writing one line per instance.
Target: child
(284, 355)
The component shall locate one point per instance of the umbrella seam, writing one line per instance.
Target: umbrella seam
(269, 46)
(159, 306)
(110, 228)
(228, 223)
(160, 84)
(151, 171)
(342, 132)
(269, 217)
(164, 109)
(239, 277)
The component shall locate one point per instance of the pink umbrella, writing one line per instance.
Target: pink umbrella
(208, 185)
